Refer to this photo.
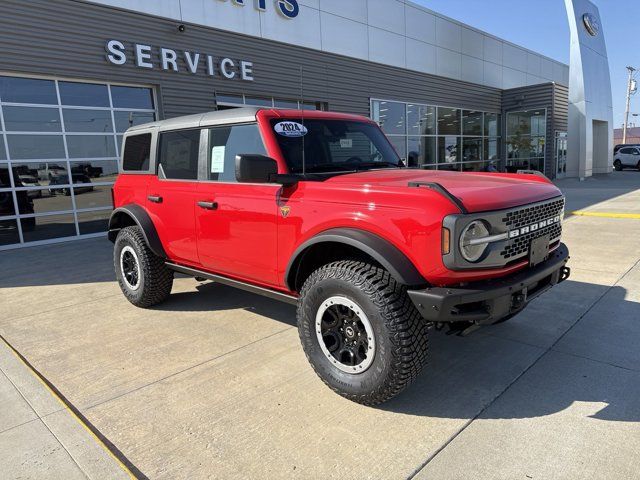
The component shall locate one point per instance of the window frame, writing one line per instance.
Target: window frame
(156, 153)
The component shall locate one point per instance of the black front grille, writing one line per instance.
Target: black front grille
(532, 215)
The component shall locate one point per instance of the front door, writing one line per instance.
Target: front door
(561, 154)
(171, 195)
(236, 223)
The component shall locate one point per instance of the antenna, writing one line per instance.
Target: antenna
(304, 160)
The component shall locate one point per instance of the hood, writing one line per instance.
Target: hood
(478, 192)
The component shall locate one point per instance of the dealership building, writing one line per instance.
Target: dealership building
(74, 75)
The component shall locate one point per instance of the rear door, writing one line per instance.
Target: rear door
(171, 194)
(236, 223)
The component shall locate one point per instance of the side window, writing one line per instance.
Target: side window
(625, 150)
(227, 142)
(636, 152)
(178, 155)
(137, 151)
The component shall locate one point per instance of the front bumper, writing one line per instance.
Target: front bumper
(489, 301)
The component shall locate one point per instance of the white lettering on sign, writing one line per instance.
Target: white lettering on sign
(287, 8)
(146, 56)
(290, 129)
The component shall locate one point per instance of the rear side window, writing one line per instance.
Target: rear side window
(137, 151)
(625, 150)
(178, 155)
(227, 142)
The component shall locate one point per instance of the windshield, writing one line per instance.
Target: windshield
(333, 146)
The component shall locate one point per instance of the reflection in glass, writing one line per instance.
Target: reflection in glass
(28, 90)
(491, 148)
(472, 122)
(48, 227)
(100, 196)
(76, 120)
(233, 99)
(23, 147)
(91, 146)
(400, 146)
(35, 174)
(421, 120)
(422, 151)
(8, 231)
(47, 200)
(125, 120)
(471, 149)
(391, 117)
(5, 179)
(448, 121)
(7, 207)
(31, 119)
(132, 97)
(480, 167)
(93, 222)
(84, 94)
(3, 152)
(99, 170)
(492, 124)
(448, 150)
(259, 102)
(292, 105)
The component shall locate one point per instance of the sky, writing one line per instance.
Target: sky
(542, 26)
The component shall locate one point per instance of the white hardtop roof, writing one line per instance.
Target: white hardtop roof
(220, 117)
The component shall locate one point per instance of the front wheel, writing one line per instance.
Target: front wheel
(617, 165)
(143, 277)
(360, 331)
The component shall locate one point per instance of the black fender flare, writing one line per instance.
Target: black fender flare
(381, 250)
(142, 219)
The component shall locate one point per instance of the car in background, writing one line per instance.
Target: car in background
(627, 157)
(621, 145)
(87, 169)
(47, 171)
(31, 181)
(81, 184)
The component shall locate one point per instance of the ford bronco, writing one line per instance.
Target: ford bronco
(317, 209)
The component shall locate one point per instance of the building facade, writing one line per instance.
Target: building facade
(74, 75)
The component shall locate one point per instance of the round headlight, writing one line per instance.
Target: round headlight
(471, 245)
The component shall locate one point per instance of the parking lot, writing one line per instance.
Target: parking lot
(214, 384)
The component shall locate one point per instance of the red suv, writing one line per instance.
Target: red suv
(318, 210)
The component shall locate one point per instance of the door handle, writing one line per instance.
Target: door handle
(208, 205)
(155, 198)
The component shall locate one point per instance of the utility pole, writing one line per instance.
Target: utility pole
(630, 91)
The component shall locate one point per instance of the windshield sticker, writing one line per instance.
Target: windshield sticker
(290, 129)
(346, 143)
(217, 159)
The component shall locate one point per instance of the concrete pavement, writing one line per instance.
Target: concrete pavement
(214, 384)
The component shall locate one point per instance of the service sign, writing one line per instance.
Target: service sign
(291, 129)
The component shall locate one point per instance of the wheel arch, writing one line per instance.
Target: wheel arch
(134, 215)
(333, 244)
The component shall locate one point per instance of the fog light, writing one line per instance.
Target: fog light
(472, 245)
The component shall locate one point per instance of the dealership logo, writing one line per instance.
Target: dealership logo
(286, 8)
(146, 56)
(591, 24)
(518, 232)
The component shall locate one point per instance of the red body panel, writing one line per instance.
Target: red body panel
(249, 238)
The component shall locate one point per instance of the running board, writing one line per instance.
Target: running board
(247, 287)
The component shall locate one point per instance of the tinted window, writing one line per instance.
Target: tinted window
(178, 155)
(31, 119)
(91, 146)
(137, 151)
(87, 120)
(84, 94)
(227, 142)
(28, 90)
(125, 120)
(625, 150)
(22, 147)
(132, 97)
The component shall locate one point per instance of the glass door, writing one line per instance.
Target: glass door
(561, 154)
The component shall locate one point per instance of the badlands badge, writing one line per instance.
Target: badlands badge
(285, 211)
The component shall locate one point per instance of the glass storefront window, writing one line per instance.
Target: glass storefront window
(32, 119)
(81, 120)
(8, 231)
(84, 94)
(421, 120)
(391, 116)
(492, 124)
(448, 121)
(471, 149)
(7, 207)
(259, 102)
(422, 151)
(91, 146)
(400, 145)
(48, 227)
(491, 149)
(472, 122)
(46, 200)
(99, 197)
(132, 97)
(28, 90)
(126, 120)
(448, 149)
(5, 179)
(93, 222)
(96, 170)
(526, 138)
(3, 152)
(25, 147)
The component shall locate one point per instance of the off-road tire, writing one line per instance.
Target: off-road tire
(401, 334)
(155, 279)
(617, 165)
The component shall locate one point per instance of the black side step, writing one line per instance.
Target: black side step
(443, 191)
(283, 297)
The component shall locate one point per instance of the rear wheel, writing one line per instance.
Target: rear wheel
(143, 277)
(617, 165)
(360, 331)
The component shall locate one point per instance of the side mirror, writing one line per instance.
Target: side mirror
(255, 168)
